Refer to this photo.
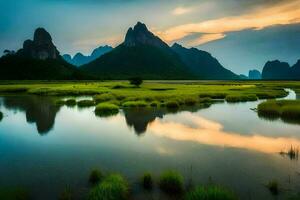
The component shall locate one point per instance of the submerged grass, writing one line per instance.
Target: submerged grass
(14, 194)
(147, 181)
(95, 176)
(273, 187)
(113, 187)
(106, 109)
(287, 110)
(210, 193)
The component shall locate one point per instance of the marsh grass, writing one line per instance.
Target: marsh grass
(273, 187)
(66, 194)
(71, 102)
(171, 182)
(172, 104)
(60, 102)
(113, 187)
(210, 193)
(154, 104)
(287, 110)
(85, 103)
(147, 181)
(190, 101)
(292, 153)
(106, 109)
(95, 176)
(240, 98)
(14, 194)
(104, 97)
(139, 103)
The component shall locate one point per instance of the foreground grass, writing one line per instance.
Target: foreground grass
(210, 193)
(287, 110)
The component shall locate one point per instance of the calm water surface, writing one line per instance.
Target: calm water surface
(44, 148)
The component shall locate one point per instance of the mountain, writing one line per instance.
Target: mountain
(254, 74)
(278, 70)
(142, 54)
(202, 63)
(39, 59)
(80, 59)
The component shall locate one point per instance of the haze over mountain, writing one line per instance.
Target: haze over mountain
(145, 55)
(80, 59)
(38, 59)
(277, 70)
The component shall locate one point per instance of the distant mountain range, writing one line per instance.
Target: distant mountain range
(38, 60)
(142, 54)
(145, 55)
(277, 70)
(80, 59)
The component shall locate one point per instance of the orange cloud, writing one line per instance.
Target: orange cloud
(212, 133)
(181, 11)
(285, 13)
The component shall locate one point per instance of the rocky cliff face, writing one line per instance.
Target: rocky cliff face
(276, 70)
(140, 35)
(41, 47)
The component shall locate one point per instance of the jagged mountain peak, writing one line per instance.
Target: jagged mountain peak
(140, 35)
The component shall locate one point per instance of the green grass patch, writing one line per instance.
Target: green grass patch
(113, 187)
(240, 98)
(71, 102)
(106, 109)
(210, 193)
(190, 101)
(287, 110)
(135, 104)
(171, 182)
(85, 103)
(104, 97)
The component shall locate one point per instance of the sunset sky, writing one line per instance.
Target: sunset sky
(241, 34)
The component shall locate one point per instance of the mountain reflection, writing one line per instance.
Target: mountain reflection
(209, 132)
(38, 110)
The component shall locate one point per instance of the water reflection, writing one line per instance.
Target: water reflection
(39, 110)
(210, 132)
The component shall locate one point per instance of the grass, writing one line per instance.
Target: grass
(171, 182)
(273, 187)
(14, 194)
(113, 187)
(240, 98)
(210, 193)
(135, 104)
(147, 181)
(172, 104)
(106, 109)
(287, 110)
(1, 116)
(71, 102)
(292, 153)
(95, 177)
(66, 194)
(85, 103)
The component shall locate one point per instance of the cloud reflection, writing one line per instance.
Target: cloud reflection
(209, 132)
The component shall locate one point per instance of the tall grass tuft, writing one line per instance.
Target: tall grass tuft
(273, 187)
(171, 182)
(240, 98)
(95, 176)
(113, 187)
(147, 181)
(210, 193)
(106, 109)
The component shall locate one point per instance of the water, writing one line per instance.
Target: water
(45, 148)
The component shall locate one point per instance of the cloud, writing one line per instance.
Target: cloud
(181, 11)
(279, 14)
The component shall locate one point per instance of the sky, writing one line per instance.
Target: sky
(241, 34)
